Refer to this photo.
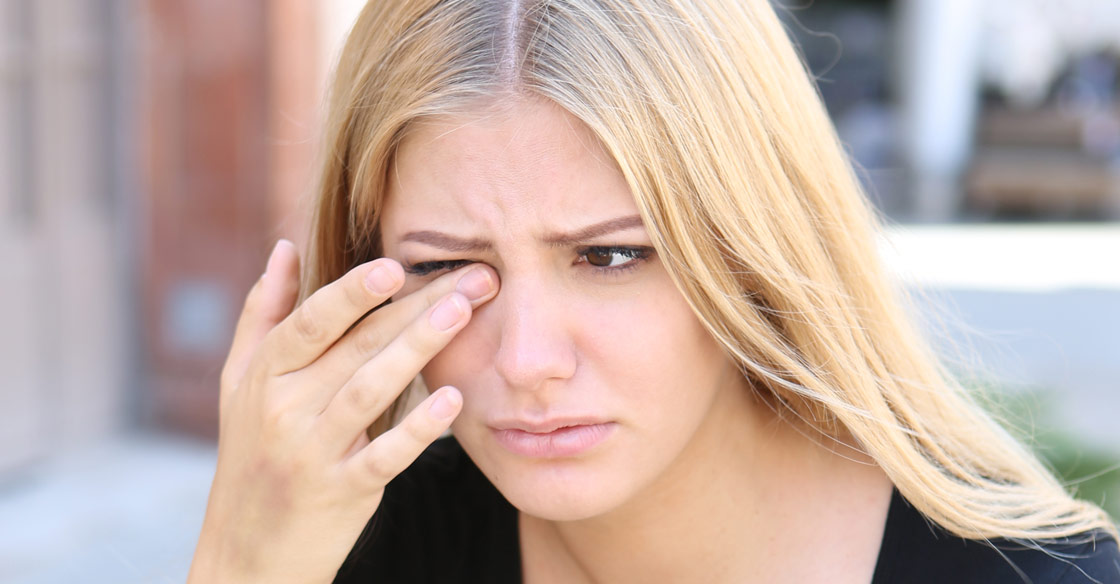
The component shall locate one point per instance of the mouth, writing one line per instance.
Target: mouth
(553, 439)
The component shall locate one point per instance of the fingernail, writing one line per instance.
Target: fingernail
(444, 405)
(381, 280)
(475, 284)
(447, 313)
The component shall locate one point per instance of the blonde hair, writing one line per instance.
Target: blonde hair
(747, 195)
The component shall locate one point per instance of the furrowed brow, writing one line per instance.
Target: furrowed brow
(593, 231)
(459, 245)
(447, 242)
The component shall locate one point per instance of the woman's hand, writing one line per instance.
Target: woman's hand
(297, 477)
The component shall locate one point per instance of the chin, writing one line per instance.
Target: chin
(564, 489)
(555, 491)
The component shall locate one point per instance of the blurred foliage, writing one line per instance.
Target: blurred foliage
(1092, 474)
(1090, 471)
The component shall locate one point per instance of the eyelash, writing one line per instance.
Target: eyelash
(425, 268)
(634, 254)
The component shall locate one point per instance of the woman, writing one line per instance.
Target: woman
(627, 256)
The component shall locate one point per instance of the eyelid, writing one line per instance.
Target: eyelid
(635, 253)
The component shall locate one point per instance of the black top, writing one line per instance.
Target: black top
(441, 521)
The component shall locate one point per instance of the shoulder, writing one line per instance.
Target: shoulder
(438, 518)
(915, 551)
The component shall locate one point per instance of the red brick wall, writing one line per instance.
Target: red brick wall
(226, 110)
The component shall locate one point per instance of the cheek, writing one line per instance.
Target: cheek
(642, 352)
(462, 362)
(661, 357)
(605, 334)
(668, 364)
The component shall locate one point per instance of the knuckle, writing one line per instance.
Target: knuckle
(419, 340)
(368, 341)
(355, 291)
(379, 467)
(362, 398)
(308, 326)
(418, 431)
(279, 416)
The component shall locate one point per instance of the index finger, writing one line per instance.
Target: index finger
(327, 314)
(476, 282)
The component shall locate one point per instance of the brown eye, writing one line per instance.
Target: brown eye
(614, 258)
(600, 257)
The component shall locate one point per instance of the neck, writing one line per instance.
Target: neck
(743, 502)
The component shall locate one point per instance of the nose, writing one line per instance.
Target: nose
(535, 344)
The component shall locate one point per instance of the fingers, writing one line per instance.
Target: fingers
(388, 455)
(380, 380)
(477, 283)
(327, 314)
(268, 302)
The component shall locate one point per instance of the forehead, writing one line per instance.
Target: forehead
(528, 164)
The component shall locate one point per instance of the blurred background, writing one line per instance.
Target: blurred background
(152, 151)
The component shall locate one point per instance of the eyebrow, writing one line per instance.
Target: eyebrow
(459, 244)
(593, 231)
(447, 242)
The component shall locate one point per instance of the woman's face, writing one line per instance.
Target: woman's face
(588, 383)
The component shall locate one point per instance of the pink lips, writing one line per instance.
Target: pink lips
(557, 441)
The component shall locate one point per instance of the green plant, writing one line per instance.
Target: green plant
(1090, 471)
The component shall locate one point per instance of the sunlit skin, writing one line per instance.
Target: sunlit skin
(589, 329)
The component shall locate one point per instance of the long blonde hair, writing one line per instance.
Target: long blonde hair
(747, 195)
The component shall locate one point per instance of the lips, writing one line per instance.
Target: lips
(552, 438)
